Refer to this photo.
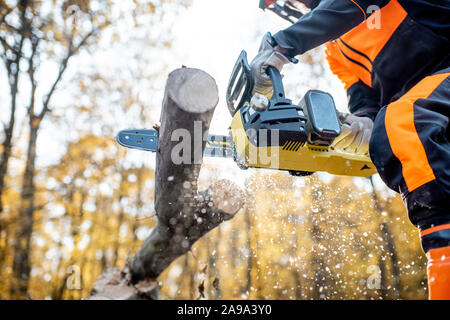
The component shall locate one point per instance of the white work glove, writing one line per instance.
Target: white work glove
(355, 135)
(267, 56)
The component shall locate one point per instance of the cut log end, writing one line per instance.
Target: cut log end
(193, 90)
(227, 197)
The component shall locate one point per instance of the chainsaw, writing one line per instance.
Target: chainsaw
(283, 136)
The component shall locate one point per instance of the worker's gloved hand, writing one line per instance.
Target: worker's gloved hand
(355, 135)
(267, 56)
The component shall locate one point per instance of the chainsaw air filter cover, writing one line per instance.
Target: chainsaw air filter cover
(323, 122)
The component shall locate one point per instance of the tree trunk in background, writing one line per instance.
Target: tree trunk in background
(117, 243)
(319, 291)
(298, 285)
(13, 70)
(389, 244)
(234, 248)
(259, 281)
(184, 215)
(139, 204)
(293, 252)
(317, 261)
(4, 162)
(189, 273)
(88, 260)
(383, 278)
(213, 276)
(21, 264)
(58, 291)
(120, 217)
(249, 252)
(6, 152)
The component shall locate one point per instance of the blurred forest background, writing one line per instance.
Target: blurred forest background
(72, 202)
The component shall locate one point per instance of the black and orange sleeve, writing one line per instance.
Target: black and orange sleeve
(363, 100)
(328, 21)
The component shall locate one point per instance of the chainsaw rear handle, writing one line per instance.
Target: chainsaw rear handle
(240, 85)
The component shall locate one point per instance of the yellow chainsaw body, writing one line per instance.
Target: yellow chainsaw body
(297, 156)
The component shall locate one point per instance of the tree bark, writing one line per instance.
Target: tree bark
(121, 217)
(213, 276)
(317, 261)
(7, 145)
(248, 285)
(389, 244)
(21, 263)
(184, 214)
(12, 70)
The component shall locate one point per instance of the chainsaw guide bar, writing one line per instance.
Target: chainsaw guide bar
(147, 140)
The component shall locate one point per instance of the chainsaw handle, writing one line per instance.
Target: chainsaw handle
(277, 83)
(240, 85)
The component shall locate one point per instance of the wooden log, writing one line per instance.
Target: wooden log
(184, 214)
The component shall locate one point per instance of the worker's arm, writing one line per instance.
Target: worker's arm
(328, 21)
(363, 100)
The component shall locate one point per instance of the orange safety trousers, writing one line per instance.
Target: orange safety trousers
(397, 72)
(438, 271)
(411, 150)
